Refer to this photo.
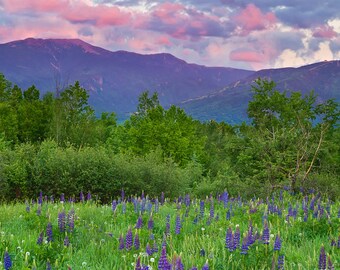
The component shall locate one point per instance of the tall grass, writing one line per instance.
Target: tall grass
(304, 223)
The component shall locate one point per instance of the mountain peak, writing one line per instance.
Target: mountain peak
(58, 43)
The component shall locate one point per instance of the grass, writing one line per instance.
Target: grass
(94, 241)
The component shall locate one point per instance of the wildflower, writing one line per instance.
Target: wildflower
(245, 245)
(330, 264)
(163, 263)
(138, 265)
(88, 197)
(128, 239)
(49, 232)
(136, 242)
(202, 252)
(179, 265)
(62, 198)
(229, 243)
(48, 265)
(66, 241)
(201, 209)
(81, 196)
(114, 205)
(178, 225)
(121, 242)
(265, 234)
(237, 237)
(40, 238)
(212, 210)
(194, 268)
(281, 262)
(206, 266)
(7, 261)
(167, 226)
(277, 244)
(148, 249)
(139, 223)
(61, 221)
(150, 223)
(70, 220)
(322, 259)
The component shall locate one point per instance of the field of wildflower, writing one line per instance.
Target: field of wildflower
(285, 231)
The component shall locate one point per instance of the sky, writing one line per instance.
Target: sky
(230, 33)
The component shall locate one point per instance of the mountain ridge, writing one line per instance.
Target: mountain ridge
(116, 79)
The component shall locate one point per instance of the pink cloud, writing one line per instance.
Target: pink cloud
(252, 18)
(246, 56)
(98, 15)
(324, 31)
(14, 6)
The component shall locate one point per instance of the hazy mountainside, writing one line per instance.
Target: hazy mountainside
(114, 79)
(230, 103)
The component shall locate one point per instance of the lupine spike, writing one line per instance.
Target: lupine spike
(277, 244)
(265, 234)
(121, 242)
(205, 266)
(49, 232)
(330, 264)
(136, 242)
(178, 225)
(129, 240)
(163, 263)
(281, 262)
(7, 261)
(322, 259)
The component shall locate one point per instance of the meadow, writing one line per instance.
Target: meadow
(285, 231)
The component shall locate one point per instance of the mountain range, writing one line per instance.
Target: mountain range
(116, 79)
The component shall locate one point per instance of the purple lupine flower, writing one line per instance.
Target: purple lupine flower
(245, 245)
(229, 243)
(148, 249)
(330, 264)
(228, 215)
(114, 205)
(61, 221)
(88, 197)
(7, 261)
(202, 252)
(339, 213)
(277, 244)
(139, 223)
(322, 259)
(205, 266)
(40, 199)
(49, 232)
(66, 241)
(136, 242)
(40, 238)
(81, 196)
(150, 223)
(212, 210)
(338, 242)
(48, 265)
(281, 262)
(194, 268)
(265, 234)
(178, 225)
(237, 238)
(167, 226)
(155, 247)
(202, 209)
(156, 205)
(179, 265)
(163, 263)
(39, 210)
(123, 195)
(70, 220)
(121, 243)
(62, 198)
(333, 243)
(138, 265)
(129, 240)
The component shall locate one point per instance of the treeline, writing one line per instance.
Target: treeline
(56, 144)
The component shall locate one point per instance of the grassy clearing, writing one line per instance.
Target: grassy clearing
(193, 232)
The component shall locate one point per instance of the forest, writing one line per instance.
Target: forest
(56, 144)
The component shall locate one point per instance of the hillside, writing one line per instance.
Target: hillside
(114, 79)
(230, 103)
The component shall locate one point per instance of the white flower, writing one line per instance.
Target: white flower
(27, 253)
(84, 264)
(152, 259)
(272, 236)
(135, 255)
(203, 229)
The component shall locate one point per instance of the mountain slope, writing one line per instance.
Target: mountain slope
(230, 103)
(114, 79)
